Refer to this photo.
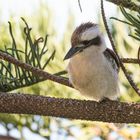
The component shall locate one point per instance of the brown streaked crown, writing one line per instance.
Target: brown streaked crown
(75, 39)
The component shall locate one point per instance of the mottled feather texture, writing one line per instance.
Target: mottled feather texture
(110, 55)
(75, 39)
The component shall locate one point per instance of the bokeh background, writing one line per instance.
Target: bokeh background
(58, 19)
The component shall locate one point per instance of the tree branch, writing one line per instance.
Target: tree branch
(106, 111)
(7, 138)
(38, 72)
(45, 75)
(130, 60)
(127, 4)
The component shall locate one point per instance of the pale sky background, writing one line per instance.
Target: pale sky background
(60, 8)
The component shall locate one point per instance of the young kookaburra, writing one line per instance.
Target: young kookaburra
(93, 68)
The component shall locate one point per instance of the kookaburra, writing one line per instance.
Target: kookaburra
(93, 68)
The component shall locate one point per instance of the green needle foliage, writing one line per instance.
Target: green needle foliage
(133, 21)
(13, 77)
(127, 37)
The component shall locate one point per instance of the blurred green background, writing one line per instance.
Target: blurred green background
(58, 20)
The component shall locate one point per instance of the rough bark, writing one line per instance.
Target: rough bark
(106, 111)
(7, 138)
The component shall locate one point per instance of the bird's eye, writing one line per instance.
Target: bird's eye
(86, 42)
(94, 41)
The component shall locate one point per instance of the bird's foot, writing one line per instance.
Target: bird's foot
(104, 99)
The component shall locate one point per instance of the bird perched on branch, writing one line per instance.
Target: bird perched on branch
(93, 68)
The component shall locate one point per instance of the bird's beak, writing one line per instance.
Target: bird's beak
(72, 52)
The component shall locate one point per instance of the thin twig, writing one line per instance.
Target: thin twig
(115, 50)
(130, 60)
(80, 5)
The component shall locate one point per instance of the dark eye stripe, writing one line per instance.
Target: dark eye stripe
(86, 42)
(94, 41)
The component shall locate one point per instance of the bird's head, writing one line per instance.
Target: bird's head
(85, 36)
